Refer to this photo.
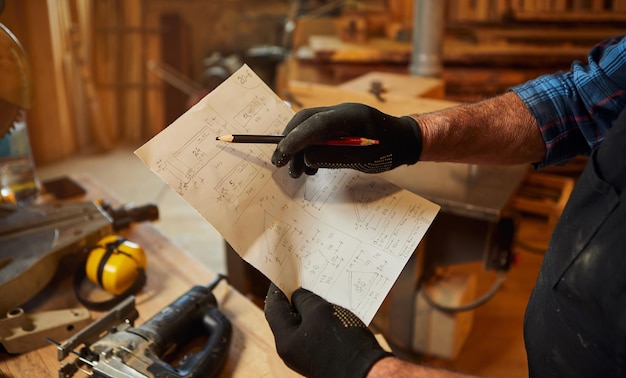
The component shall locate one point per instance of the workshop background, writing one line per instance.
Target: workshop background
(110, 74)
(99, 65)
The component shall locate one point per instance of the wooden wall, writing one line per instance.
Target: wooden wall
(495, 44)
(191, 31)
(94, 88)
(51, 138)
(535, 10)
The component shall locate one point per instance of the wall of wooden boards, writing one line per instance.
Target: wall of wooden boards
(533, 10)
(93, 87)
(90, 58)
(51, 134)
(130, 34)
(489, 45)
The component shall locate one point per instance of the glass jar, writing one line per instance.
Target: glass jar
(18, 180)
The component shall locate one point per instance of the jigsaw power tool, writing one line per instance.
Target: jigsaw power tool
(114, 348)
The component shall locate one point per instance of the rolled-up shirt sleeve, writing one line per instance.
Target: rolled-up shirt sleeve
(575, 109)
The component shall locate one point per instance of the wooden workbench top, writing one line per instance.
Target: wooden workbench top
(170, 273)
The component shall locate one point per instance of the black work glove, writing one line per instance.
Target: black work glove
(319, 339)
(400, 140)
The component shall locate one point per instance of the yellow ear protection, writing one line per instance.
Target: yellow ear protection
(116, 265)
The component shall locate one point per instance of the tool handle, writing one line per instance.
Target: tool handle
(209, 361)
(174, 323)
(124, 216)
(177, 323)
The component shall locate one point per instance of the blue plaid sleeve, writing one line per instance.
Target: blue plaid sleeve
(575, 109)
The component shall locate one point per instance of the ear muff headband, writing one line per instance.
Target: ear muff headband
(110, 248)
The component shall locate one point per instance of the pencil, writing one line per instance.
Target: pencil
(274, 139)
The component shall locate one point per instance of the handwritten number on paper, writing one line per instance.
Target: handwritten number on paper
(243, 78)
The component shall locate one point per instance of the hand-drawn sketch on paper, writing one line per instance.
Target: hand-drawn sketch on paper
(342, 234)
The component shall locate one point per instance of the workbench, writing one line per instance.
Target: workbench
(170, 273)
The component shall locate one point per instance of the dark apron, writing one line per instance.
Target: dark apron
(575, 324)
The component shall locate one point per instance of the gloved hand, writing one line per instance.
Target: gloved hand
(400, 140)
(319, 339)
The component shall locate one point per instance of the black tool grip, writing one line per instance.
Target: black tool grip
(181, 321)
(211, 359)
(176, 322)
(124, 216)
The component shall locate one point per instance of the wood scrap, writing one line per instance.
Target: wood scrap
(400, 84)
(543, 195)
(312, 95)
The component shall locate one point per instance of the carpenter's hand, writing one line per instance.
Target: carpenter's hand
(320, 339)
(400, 140)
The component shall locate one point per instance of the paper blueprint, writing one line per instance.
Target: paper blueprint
(342, 234)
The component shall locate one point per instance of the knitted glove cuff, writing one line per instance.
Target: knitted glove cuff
(411, 143)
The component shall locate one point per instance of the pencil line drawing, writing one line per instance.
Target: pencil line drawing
(342, 234)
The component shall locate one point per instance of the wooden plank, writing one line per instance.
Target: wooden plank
(134, 66)
(173, 48)
(464, 10)
(97, 121)
(332, 49)
(516, 5)
(528, 5)
(597, 6)
(543, 195)
(84, 20)
(580, 5)
(401, 11)
(482, 10)
(312, 95)
(154, 110)
(501, 8)
(85, 118)
(104, 62)
(80, 116)
(71, 66)
(539, 37)
(398, 84)
(58, 22)
(619, 6)
(559, 5)
(540, 5)
(305, 28)
(494, 54)
(571, 17)
(352, 28)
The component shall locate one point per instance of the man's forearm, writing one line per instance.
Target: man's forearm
(499, 130)
(394, 367)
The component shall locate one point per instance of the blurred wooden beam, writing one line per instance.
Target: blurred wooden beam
(104, 58)
(59, 20)
(155, 114)
(133, 73)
